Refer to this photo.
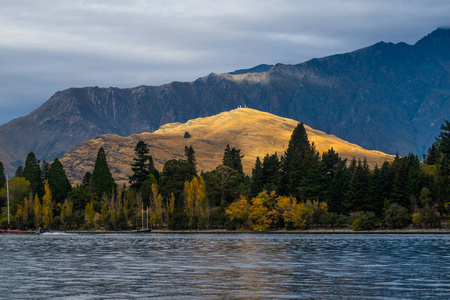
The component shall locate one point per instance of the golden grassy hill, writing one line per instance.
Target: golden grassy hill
(256, 133)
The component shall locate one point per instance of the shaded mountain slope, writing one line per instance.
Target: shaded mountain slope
(389, 97)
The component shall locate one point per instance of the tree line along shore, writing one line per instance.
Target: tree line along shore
(300, 190)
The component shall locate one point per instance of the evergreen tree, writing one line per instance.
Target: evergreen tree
(444, 138)
(58, 182)
(433, 152)
(338, 187)
(189, 153)
(314, 183)
(86, 179)
(296, 161)
(45, 167)
(19, 172)
(398, 192)
(330, 160)
(232, 159)
(32, 172)
(79, 195)
(443, 181)
(257, 182)
(271, 172)
(175, 173)
(142, 167)
(101, 181)
(357, 194)
(223, 185)
(2, 176)
(416, 179)
(387, 173)
(227, 159)
(377, 191)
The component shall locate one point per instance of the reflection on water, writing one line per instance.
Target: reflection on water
(117, 266)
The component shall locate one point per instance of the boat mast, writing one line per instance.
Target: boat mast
(142, 214)
(147, 217)
(7, 197)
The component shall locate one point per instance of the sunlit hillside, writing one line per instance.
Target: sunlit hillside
(256, 133)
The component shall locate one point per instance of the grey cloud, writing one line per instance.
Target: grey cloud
(47, 46)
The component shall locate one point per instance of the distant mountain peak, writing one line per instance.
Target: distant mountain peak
(440, 36)
(258, 69)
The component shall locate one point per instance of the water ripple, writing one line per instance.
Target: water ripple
(224, 266)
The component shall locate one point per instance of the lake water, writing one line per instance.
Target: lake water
(224, 266)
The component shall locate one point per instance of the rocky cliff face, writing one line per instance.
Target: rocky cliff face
(389, 97)
(256, 133)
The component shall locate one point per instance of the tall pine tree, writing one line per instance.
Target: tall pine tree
(400, 174)
(58, 182)
(32, 173)
(101, 181)
(19, 172)
(296, 161)
(142, 167)
(358, 191)
(257, 183)
(271, 172)
(232, 159)
(338, 187)
(313, 185)
(443, 181)
(189, 153)
(444, 138)
(45, 167)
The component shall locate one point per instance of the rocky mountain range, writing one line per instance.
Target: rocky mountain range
(389, 97)
(256, 133)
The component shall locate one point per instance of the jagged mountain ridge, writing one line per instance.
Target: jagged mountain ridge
(256, 133)
(389, 97)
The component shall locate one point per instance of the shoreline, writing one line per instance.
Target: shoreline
(283, 231)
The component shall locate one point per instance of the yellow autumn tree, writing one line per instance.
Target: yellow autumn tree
(47, 206)
(26, 210)
(104, 213)
(66, 212)
(189, 200)
(286, 208)
(170, 206)
(89, 214)
(112, 210)
(239, 211)
(202, 204)
(298, 214)
(37, 209)
(156, 205)
(171, 203)
(196, 203)
(19, 214)
(260, 215)
(314, 210)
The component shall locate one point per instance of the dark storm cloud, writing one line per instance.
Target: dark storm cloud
(47, 46)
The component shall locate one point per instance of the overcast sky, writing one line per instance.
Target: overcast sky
(46, 46)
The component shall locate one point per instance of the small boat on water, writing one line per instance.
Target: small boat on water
(9, 230)
(42, 230)
(143, 229)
